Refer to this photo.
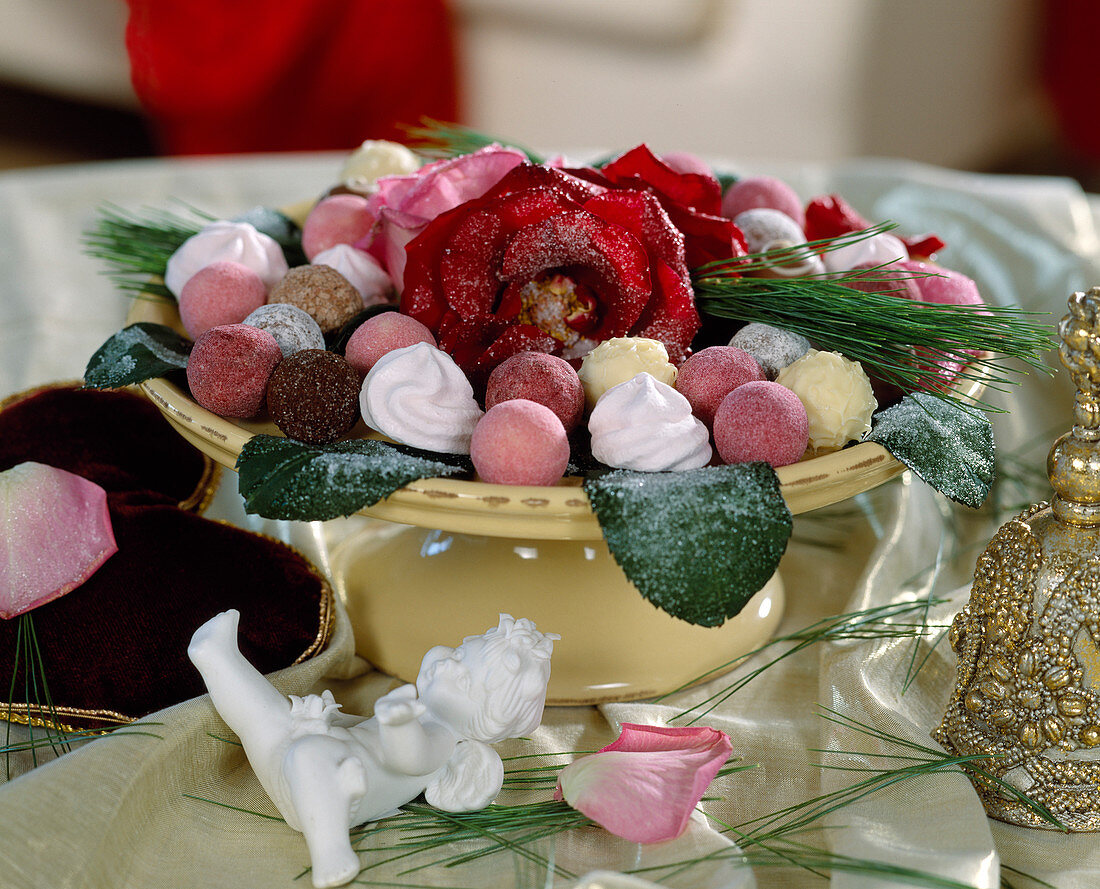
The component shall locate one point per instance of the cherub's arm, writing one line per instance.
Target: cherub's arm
(409, 745)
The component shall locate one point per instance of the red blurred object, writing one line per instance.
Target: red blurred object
(1070, 73)
(252, 75)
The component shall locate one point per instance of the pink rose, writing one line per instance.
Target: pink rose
(404, 205)
(644, 786)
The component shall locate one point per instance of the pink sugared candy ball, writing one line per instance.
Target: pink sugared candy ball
(383, 333)
(755, 192)
(229, 367)
(761, 421)
(939, 285)
(338, 219)
(221, 293)
(711, 374)
(536, 376)
(519, 442)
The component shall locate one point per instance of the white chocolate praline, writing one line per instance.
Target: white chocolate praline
(836, 394)
(362, 271)
(418, 396)
(224, 240)
(376, 158)
(620, 359)
(646, 425)
(876, 250)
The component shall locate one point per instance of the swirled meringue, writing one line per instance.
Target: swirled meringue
(223, 240)
(646, 425)
(418, 396)
(362, 270)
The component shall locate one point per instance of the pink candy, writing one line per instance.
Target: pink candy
(229, 368)
(939, 285)
(383, 333)
(339, 219)
(535, 376)
(223, 292)
(519, 442)
(710, 375)
(761, 421)
(755, 192)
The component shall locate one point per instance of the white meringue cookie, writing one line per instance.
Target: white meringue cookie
(362, 270)
(876, 250)
(226, 241)
(418, 396)
(646, 425)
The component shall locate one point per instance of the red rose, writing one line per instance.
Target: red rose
(546, 261)
(830, 216)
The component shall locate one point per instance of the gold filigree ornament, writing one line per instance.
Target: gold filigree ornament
(1027, 688)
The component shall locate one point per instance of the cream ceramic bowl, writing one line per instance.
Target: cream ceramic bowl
(475, 549)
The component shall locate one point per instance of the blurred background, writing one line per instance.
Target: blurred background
(986, 85)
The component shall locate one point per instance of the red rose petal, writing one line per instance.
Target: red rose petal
(694, 190)
(829, 216)
(641, 214)
(671, 316)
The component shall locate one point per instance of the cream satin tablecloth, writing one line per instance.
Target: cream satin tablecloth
(119, 813)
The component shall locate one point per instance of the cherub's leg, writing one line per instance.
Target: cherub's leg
(249, 704)
(325, 780)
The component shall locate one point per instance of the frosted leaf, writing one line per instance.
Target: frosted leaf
(139, 352)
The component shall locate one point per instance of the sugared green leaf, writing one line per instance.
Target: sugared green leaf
(284, 479)
(697, 544)
(949, 447)
(139, 352)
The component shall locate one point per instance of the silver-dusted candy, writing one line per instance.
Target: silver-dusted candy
(293, 328)
(772, 347)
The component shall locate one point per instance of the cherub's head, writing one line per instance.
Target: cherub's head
(492, 686)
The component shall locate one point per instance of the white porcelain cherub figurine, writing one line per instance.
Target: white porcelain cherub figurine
(327, 771)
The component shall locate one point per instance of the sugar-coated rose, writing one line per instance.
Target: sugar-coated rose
(644, 786)
(693, 201)
(404, 205)
(549, 262)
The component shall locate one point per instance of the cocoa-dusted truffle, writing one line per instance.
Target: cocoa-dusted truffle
(323, 292)
(313, 396)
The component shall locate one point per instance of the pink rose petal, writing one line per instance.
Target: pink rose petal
(645, 785)
(55, 532)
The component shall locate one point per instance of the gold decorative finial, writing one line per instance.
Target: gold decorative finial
(1027, 688)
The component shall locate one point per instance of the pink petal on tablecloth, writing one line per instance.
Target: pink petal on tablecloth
(644, 786)
(55, 532)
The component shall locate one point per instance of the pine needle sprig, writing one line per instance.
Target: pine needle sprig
(439, 139)
(136, 245)
(882, 330)
(879, 622)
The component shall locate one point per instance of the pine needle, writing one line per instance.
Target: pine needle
(136, 245)
(438, 139)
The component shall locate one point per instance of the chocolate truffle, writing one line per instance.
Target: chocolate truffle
(323, 292)
(313, 396)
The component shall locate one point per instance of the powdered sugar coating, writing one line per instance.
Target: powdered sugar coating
(223, 292)
(646, 425)
(837, 396)
(772, 347)
(763, 226)
(418, 396)
(382, 334)
(229, 368)
(293, 328)
(935, 284)
(519, 442)
(536, 376)
(322, 292)
(761, 421)
(313, 396)
(237, 241)
(711, 374)
(337, 219)
(754, 192)
(362, 271)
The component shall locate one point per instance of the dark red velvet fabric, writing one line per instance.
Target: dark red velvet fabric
(119, 641)
(253, 75)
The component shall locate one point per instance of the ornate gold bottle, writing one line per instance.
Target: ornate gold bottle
(1027, 689)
